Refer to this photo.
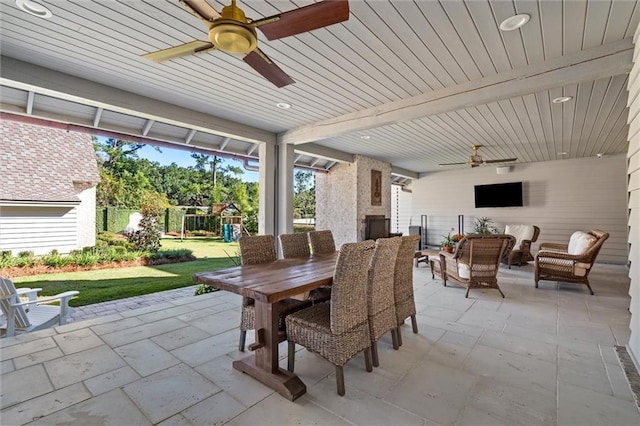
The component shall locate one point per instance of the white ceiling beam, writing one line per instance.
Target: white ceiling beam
(252, 149)
(147, 127)
(398, 171)
(587, 65)
(97, 116)
(190, 135)
(315, 150)
(40, 80)
(224, 143)
(30, 98)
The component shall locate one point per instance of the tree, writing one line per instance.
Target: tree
(304, 195)
(123, 183)
(147, 238)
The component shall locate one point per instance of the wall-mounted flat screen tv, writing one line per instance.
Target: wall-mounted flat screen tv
(499, 195)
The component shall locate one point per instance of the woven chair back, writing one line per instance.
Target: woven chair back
(590, 255)
(256, 249)
(381, 274)
(483, 252)
(8, 294)
(380, 288)
(322, 242)
(404, 264)
(349, 289)
(295, 245)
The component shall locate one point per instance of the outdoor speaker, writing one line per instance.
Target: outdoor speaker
(503, 170)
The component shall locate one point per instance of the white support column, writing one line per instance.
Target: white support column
(284, 192)
(267, 191)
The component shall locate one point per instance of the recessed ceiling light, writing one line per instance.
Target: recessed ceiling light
(562, 99)
(365, 137)
(562, 153)
(514, 22)
(283, 105)
(34, 9)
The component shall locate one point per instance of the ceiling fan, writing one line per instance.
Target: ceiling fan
(476, 160)
(231, 31)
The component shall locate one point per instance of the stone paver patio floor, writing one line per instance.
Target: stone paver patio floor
(538, 357)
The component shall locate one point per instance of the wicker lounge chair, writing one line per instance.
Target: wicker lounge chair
(476, 260)
(338, 330)
(521, 253)
(403, 285)
(322, 242)
(569, 262)
(380, 293)
(255, 250)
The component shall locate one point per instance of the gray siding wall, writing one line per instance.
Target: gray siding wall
(633, 170)
(39, 229)
(559, 196)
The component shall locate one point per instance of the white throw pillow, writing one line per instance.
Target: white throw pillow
(580, 242)
(520, 232)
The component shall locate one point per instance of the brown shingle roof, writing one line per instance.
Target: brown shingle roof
(42, 164)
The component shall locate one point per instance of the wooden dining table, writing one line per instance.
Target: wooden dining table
(267, 284)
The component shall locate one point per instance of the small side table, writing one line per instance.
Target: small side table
(423, 255)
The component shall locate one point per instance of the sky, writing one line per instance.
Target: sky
(183, 158)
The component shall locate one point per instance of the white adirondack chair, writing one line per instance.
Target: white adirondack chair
(32, 314)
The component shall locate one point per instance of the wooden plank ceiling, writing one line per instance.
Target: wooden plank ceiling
(413, 83)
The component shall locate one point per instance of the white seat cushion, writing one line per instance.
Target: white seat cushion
(520, 232)
(580, 242)
(464, 271)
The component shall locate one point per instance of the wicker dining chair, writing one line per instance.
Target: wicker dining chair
(403, 285)
(297, 245)
(338, 330)
(476, 261)
(322, 242)
(254, 250)
(569, 262)
(294, 245)
(381, 307)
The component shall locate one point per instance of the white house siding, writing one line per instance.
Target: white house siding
(559, 196)
(401, 211)
(38, 229)
(86, 218)
(633, 170)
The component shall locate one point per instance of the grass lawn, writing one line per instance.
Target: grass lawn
(119, 283)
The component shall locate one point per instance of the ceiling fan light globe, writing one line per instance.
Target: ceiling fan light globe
(233, 38)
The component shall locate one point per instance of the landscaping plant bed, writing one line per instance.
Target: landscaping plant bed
(23, 271)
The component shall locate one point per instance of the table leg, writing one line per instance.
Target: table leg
(263, 365)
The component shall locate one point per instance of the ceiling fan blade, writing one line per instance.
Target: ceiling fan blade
(267, 68)
(452, 164)
(201, 9)
(304, 19)
(502, 160)
(196, 46)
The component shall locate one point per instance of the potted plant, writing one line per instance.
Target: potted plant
(483, 226)
(447, 243)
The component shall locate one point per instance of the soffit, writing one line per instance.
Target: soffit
(388, 51)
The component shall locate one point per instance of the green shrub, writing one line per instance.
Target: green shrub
(203, 289)
(171, 254)
(85, 258)
(54, 260)
(25, 259)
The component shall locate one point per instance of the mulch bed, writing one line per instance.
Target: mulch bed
(14, 271)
